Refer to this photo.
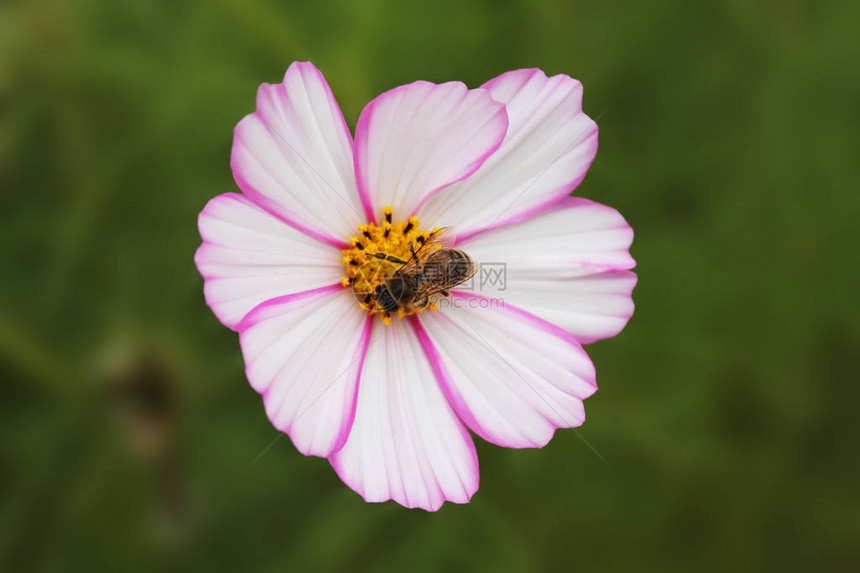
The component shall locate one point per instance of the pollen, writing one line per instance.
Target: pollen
(378, 253)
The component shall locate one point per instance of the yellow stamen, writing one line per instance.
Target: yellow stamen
(365, 271)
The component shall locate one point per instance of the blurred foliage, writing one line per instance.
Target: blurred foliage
(729, 139)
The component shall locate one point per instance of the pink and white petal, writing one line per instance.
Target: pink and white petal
(590, 307)
(304, 353)
(249, 256)
(572, 238)
(293, 156)
(511, 377)
(547, 151)
(414, 140)
(406, 443)
(568, 265)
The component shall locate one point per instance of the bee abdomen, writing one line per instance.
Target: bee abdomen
(459, 267)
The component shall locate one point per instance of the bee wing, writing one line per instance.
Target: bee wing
(465, 270)
(430, 290)
(473, 270)
(468, 272)
(436, 238)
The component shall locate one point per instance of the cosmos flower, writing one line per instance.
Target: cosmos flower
(389, 394)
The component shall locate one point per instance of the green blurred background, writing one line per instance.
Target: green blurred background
(728, 407)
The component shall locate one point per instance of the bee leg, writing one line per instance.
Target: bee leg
(389, 258)
(444, 292)
(414, 254)
(424, 302)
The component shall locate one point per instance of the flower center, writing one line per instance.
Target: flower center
(384, 267)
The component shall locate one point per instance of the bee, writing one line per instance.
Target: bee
(431, 270)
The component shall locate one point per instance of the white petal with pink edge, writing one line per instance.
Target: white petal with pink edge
(574, 237)
(590, 307)
(293, 156)
(414, 140)
(406, 443)
(511, 377)
(568, 265)
(547, 150)
(304, 354)
(249, 256)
